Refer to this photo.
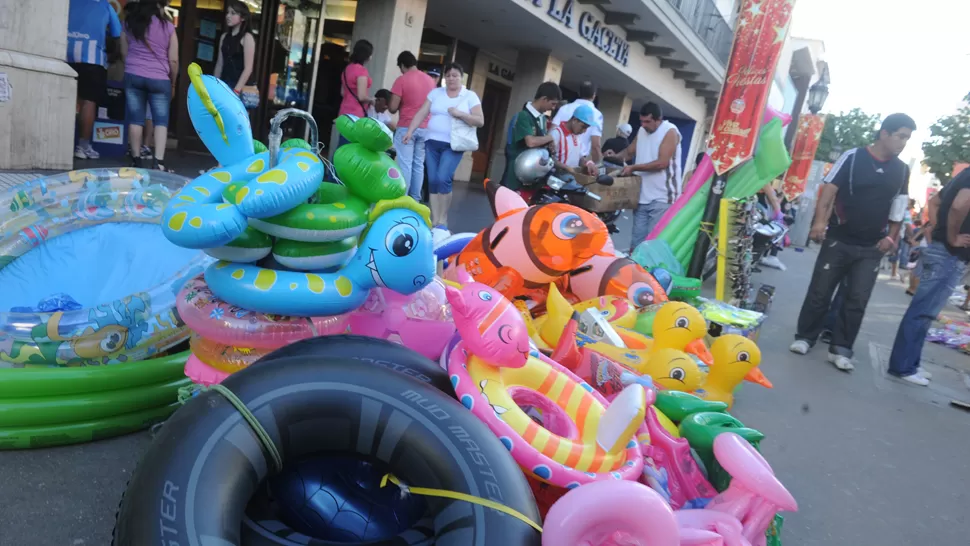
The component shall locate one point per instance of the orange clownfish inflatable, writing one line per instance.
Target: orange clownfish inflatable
(529, 247)
(613, 276)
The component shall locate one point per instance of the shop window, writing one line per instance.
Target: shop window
(294, 54)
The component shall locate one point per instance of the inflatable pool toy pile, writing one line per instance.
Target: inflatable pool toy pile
(296, 254)
(87, 312)
(552, 420)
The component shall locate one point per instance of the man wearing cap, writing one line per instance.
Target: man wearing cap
(589, 141)
(435, 74)
(622, 139)
(567, 140)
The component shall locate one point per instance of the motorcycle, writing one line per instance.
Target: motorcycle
(535, 165)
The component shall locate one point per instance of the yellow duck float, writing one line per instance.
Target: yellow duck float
(736, 358)
(663, 358)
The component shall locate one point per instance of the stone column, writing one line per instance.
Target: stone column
(37, 117)
(531, 69)
(616, 108)
(392, 26)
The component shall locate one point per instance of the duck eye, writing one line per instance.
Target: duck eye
(485, 296)
(743, 356)
(678, 373)
(682, 322)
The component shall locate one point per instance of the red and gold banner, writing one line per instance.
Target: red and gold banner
(803, 153)
(761, 31)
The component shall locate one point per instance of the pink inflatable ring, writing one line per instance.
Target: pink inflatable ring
(224, 323)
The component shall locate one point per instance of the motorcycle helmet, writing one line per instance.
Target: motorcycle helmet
(533, 165)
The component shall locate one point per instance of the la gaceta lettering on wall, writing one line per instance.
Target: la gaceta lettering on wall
(590, 28)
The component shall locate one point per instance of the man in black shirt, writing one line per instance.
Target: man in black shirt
(944, 262)
(865, 190)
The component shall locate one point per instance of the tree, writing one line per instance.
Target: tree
(845, 131)
(949, 143)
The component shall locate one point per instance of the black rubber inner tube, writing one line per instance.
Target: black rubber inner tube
(205, 464)
(384, 353)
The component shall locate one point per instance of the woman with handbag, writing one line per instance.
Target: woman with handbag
(151, 52)
(355, 84)
(237, 49)
(456, 113)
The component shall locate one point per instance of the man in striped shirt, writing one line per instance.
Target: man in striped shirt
(92, 29)
(567, 140)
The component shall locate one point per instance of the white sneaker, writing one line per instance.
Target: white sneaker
(916, 379)
(841, 362)
(86, 153)
(800, 347)
(772, 262)
(924, 373)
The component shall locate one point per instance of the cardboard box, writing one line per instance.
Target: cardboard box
(623, 194)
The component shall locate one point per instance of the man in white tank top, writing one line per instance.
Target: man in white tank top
(655, 153)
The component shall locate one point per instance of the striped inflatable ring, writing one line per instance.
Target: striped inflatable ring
(564, 450)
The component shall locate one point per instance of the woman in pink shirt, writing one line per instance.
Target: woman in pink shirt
(151, 50)
(355, 84)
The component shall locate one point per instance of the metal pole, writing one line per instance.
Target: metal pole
(276, 132)
(708, 222)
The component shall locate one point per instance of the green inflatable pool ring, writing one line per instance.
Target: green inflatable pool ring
(335, 216)
(303, 256)
(57, 410)
(29, 382)
(251, 246)
(296, 143)
(42, 407)
(83, 431)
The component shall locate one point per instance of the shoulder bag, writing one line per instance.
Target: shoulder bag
(352, 94)
(464, 137)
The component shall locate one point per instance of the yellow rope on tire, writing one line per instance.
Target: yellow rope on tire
(429, 492)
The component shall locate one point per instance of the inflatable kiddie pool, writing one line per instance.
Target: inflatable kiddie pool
(88, 280)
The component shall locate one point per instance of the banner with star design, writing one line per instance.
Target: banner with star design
(760, 33)
(803, 153)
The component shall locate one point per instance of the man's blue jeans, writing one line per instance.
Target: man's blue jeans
(645, 218)
(941, 272)
(410, 158)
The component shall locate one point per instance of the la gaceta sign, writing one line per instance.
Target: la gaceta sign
(590, 28)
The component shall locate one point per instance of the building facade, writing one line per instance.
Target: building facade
(672, 52)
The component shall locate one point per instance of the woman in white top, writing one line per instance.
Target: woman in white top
(445, 104)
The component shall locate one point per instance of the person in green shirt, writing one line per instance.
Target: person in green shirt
(528, 130)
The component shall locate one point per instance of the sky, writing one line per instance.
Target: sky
(890, 56)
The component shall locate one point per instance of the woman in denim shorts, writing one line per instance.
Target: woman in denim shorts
(151, 65)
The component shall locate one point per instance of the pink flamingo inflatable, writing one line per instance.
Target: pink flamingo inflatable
(755, 494)
(611, 513)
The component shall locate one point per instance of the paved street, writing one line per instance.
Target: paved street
(870, 460)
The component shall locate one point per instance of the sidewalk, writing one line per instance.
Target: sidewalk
(871, 460)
